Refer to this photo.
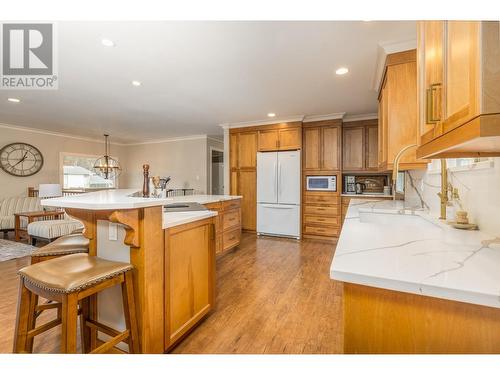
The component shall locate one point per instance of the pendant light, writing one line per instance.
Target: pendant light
(107, 167)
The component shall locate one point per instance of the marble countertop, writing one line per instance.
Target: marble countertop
(121, 199)
(172, 219)
(366, 195)
(386, 244)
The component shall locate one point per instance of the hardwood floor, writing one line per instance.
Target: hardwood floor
(273, 296)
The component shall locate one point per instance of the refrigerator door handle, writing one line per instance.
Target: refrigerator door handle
(278, 206)
(275, 182)
(279, 181)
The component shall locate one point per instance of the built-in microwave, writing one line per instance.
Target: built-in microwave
(321, 183)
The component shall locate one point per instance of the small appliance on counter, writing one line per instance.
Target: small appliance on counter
(366, 184)
(349, 184)
(360, 187)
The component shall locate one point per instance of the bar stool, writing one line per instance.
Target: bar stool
(70, 244)
(72, 280)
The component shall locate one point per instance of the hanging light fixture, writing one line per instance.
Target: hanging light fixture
(107, 167)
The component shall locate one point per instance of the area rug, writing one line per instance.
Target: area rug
(12, 250)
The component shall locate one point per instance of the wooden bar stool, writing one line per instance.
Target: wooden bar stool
(72, 280)
(70, 244)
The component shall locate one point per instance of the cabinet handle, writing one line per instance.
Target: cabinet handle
(429, 110)
(232, 219)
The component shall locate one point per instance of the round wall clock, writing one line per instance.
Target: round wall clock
(21, 159)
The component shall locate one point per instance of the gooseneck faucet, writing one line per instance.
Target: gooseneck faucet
(395, 168)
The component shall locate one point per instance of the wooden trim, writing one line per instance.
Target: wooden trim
(314, 124)
(276, 126)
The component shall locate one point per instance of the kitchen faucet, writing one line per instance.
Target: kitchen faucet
(395, 168)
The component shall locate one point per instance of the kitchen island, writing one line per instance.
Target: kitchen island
(413, 284)
(173, 254)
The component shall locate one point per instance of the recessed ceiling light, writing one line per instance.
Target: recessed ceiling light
(341, 71)
(136, 83)
(271, 114)
(14, 100)
(107, 42)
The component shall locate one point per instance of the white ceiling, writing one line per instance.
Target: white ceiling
(197, 75)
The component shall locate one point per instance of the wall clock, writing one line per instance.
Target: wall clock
(21, 159)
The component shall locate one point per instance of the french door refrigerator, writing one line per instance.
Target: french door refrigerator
(278, 193)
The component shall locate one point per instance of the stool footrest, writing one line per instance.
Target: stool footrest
(44, 327)
(103, 328)
(107, 346)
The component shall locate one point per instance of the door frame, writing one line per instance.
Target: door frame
(213, 148)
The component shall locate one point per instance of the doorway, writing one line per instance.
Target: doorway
(216, 171)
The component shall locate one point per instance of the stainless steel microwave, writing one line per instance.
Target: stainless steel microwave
(321, 183)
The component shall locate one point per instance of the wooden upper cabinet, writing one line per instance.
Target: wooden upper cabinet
(311, 150)
(233, 151)
(398, 99)
(290, 139)
(321, 147)
(330, 146)
(282, 139)
(268, 140)
(247, 150)
(458, 91)
(371, 147)
(354, 148)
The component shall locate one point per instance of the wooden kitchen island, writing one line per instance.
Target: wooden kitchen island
(173, 254)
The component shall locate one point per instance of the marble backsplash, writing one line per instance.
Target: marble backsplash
(479, 190)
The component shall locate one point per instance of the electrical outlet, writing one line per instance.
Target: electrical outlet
(113, 232)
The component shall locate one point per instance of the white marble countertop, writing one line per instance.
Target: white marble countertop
(121, 199)
(172, 219)
(366, 195)
(386, 245)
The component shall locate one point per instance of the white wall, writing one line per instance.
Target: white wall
(50, 146)
(479, 190)
(186, 161)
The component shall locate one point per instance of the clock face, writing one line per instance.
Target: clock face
(21, 159)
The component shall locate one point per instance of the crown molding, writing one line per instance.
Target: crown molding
(385, 49)
(247, 124)
(331, 116)
(368, 116)
(54, 134)
(172, 139)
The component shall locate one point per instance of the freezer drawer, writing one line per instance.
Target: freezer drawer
(280, 220)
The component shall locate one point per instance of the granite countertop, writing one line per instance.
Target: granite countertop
(386, 244)
(121, 199)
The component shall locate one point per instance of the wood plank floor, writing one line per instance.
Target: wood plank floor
(273, 296)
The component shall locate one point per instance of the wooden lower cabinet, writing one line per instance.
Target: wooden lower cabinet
(321, 215)
(380, 321)
(228, 224)
(189, 277)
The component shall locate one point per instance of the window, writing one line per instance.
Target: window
(78, 173)
(461, 164)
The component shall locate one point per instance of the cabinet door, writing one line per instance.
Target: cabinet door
(233, 187)
(247, 150)
(233, 151)
(290, 139)
(330, 137)
(354, 148)
(462, 59)
(247, 188)
(312, 149)
(190, 288)
(268, 140)
(371, 147)
(432, 98)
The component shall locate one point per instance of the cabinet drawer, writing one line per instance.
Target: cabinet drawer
(313, 219)
(216, 206)
(231, 219)
(231, 238)
(329, 210)
(321, 198)
(231, 205)
(321, 231)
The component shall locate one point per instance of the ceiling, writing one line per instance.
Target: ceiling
(197, 75)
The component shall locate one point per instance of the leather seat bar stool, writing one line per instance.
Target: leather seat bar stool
(72, 280)
(70, 244)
